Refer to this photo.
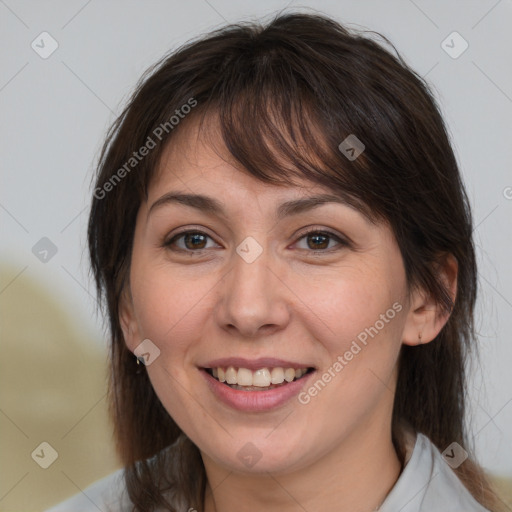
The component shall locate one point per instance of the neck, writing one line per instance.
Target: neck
(355, 476)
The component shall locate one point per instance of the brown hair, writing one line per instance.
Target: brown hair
(268, 86)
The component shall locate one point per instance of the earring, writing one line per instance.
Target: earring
(139, 368)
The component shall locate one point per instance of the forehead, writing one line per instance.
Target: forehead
(197, 159)
(197, 164)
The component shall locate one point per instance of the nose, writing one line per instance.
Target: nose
(254, 299)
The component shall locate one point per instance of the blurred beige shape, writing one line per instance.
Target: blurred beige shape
(52, 392)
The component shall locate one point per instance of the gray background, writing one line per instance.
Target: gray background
(55, 112)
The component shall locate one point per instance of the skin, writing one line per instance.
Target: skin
(334, 453)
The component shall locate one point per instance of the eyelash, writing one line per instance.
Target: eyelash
(342, 243)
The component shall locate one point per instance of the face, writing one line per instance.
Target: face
(315, 294)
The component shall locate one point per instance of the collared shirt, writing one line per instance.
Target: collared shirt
(426, 484)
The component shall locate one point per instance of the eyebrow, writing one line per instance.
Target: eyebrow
(210, 205)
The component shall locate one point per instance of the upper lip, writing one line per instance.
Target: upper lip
(254, 364)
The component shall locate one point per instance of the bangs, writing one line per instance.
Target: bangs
(282, 143)
(275, 125)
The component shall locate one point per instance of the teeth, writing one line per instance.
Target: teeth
(289, 374)
(277, 376)
(244, 377)
(261, 378)
(231, 375)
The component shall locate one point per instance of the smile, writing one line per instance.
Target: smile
(255, 385)
(262, 379)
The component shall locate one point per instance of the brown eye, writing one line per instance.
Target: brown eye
(196, 241)
(319, 240)
(192, 241)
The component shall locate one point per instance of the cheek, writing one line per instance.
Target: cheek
(153, 306)
(355, 304)
(171, 308)
(169, 313)
(368, 321)
(362, 320)
(363, 340)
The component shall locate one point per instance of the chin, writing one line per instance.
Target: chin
(260, 455)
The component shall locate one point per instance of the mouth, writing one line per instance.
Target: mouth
(262, 379)
(256, 385)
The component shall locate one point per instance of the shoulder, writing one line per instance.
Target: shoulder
(108, 494)
(428, 484)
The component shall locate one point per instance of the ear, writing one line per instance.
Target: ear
(128, 320)
(425, 318)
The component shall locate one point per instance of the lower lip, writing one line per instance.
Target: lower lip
(255, 401)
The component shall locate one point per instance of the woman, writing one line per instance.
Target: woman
(282, 238)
